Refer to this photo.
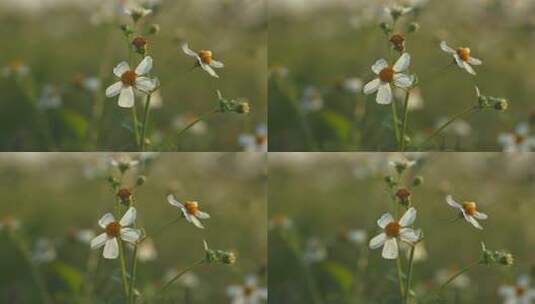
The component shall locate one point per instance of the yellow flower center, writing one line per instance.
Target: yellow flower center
(113, 229)
(387, 75)
(192, 207)
(464, 53)
(469, 208)
(248, 290)
(392, 229)
(206, 56)
(129, 78)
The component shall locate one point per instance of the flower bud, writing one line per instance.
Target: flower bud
(398, 42)
(154, 29)
(387, 28)
(125, 196)
(413, 27)
(390, 181)
(506, 259)
(417, 181)
(141, 180)
(140, 45)
(404, 196)
(243, 108)
(501, 105)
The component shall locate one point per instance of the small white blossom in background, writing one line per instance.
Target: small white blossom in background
(204, 59)
(353, 85)
(397, 11)
(520, 140)
(280, 221)
(462, 57)
(459, 127)
(50, 98)
(257, 142)
(9, 223)
(147, 251)
(182, 121)
(248, 293)
(460, 282)
(312, 99)
(520, 293)
(357, 237)
(123, 162)
(130, 79)
(278, 71)
(388, 76)
(15, 68)
(190, 211)
(416, 101)
(400, 164)
(394, 231)
(91, 84)
(44, 251)
(468, 211)
(85, 236)
(189, 280)
(315, 251)
(114, 230)
(420, 252)
(136, 11)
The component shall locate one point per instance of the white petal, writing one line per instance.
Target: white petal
(129, 217)
(451, 202)
(111, 249)
(217, 64)
(444, 46)
(480, 215)
(522, 129)
(188, 51)
(202, 215)
(390, 249)
(472, 221)
(379, 65)
(384, 220)
(469, 68)
(173, 201)
(507, 291)
(196, 222)
(378, 241)
(409, 235)
(474, 61)
(384, 95)
(209, 69)
(144, 66)
(234, 291)
(130, 235)
(105, 220)
(459, 61)
(403, 63)
(523, 281)
(99, 241)
(145, 84)
(402, 80)
(408, 218)
(114, 89)
(372, 86)
(121, 68)
(126, 99)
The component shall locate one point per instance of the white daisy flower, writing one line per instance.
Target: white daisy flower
(520, 293)
(353, 85)
(248, 293)
(462, 57)
(257, 142)
(468, 211)
(123, 162)
(16, 68)
(388, 76)
(114, 230)
(131, 79)
(204, 60)
(394, 231)
(519, 140)
(44, 251)
(190, 210)
(9, 223)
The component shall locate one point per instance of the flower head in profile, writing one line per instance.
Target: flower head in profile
(520, 140)
(394, 231)
(401, 164)
(388, 76)
(468, 210)
(248, 293)
(115, 230)
(257, 142)
(130, 80)
(204, 59)
(520, 293)
(137, 12)
(190, 211)
(462, 57)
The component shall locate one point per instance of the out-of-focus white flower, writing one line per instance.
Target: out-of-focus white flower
(15, 68)
(147, 251)
(397, 11)
(278, 71)
(188, 280)
(123, 162)
(520, 140)
(130, 79)
(353, 85)
(388, 76)
(462, 57)
(357, 237)
(248, 293)
(520, 293)
(114, 230)
(136, 11)
(312, 99)
(190, 211)
(416, 101)
(468, 210)
(255, 143)
(9, 223)
(401, 163)
(182, 121)
(85, 235)
(420, 252)
(280, 221)
(459, 127)
(50, 98)
(204, 59)
(91, 84)
(460, 282)
(315, 251)
(393, 231)
(44, 251)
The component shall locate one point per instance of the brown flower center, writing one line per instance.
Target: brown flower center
(260, 139)
(470, 208)
(139, 42)
(464, 53)
(519, 139)
(192, 207)
(392, 229)
(124, 194)
(206, 56)
(248, 290)
(113, 229)
(129, 78)
(403, 194)
(520, 291)
(398, 41)
(387, 75)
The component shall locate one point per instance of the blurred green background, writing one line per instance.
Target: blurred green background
(321, 44)
(64, 43)
(326, 195)
(54, 194)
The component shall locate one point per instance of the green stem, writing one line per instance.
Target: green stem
(460, 272)
(409, 275)
(136, 124)
(395, 121)
(400, 277)
(176, 277)
(145, 121)
(123, 268)
(469, 110)
(133, 275)
(196, 121)
(405, 119)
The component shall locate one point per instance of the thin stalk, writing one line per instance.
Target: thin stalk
(395, 121)
(196, 121)
(400, 277)
(405, 119)
(460, 272)
(467, 111)
(161, 229)
(409, 275)
(136, 124)
(145, 121)
(133, 275)
(123, 268)
(176, 277)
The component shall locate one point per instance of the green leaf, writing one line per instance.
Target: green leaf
(339, 274)
(70, 275)
(340, 124)
(74, 122)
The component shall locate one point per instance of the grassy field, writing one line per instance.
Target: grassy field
(63, 45)
(55, 195)
(328, 48)
(324, 196)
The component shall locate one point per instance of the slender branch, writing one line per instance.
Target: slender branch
(161, 229)
(409, 275)
(176, 277)
(145, 121)
(196, 121)
(136, 125)
(400, 277)
(123, 268)
(470, 110)
(405, 119)
(395, 121)
(460, 272)
(133, 275)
